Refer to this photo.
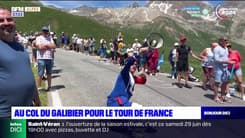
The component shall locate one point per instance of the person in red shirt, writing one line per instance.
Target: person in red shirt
(153, 60)
(236, 69)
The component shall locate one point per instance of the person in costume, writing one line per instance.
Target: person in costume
(124, 86)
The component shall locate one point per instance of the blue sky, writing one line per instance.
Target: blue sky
(214, 3)
(105, 3)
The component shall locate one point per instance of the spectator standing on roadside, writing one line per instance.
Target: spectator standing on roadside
(172, 60)
(45, 46)
(221, 73)
(111, 46)
(207, 65)
(62, 40)
(182, 54)
(102, 50)
(136, 46)
(236, 69)
(17, 83)
(153, 60)
(91, 45)
(34, 49)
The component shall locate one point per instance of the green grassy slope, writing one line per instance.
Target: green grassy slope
(59, 21)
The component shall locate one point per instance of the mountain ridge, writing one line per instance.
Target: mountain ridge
(138, 16)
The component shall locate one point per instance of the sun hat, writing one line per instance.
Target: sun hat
(176, 44)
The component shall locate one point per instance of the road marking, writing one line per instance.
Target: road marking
(166, 87)
(190, 82)
(55, 98)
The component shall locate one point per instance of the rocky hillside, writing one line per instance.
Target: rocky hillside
(151, 13)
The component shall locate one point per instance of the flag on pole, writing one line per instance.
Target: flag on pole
(232, 71)
(49, 27)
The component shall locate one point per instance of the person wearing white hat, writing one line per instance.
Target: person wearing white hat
(130, 52)
(136, 46)
(172, 60)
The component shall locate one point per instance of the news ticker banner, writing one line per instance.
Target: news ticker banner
(63, 128)
(128, 113)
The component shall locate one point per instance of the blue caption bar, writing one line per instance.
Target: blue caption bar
(222, 112)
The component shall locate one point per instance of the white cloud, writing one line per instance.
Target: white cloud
(206, 2)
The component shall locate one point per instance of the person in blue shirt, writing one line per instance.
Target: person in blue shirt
(220, 68)
(17, 83)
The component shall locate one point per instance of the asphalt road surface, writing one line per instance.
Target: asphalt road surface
(82, 80)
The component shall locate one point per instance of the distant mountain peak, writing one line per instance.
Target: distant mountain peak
(204, 19)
